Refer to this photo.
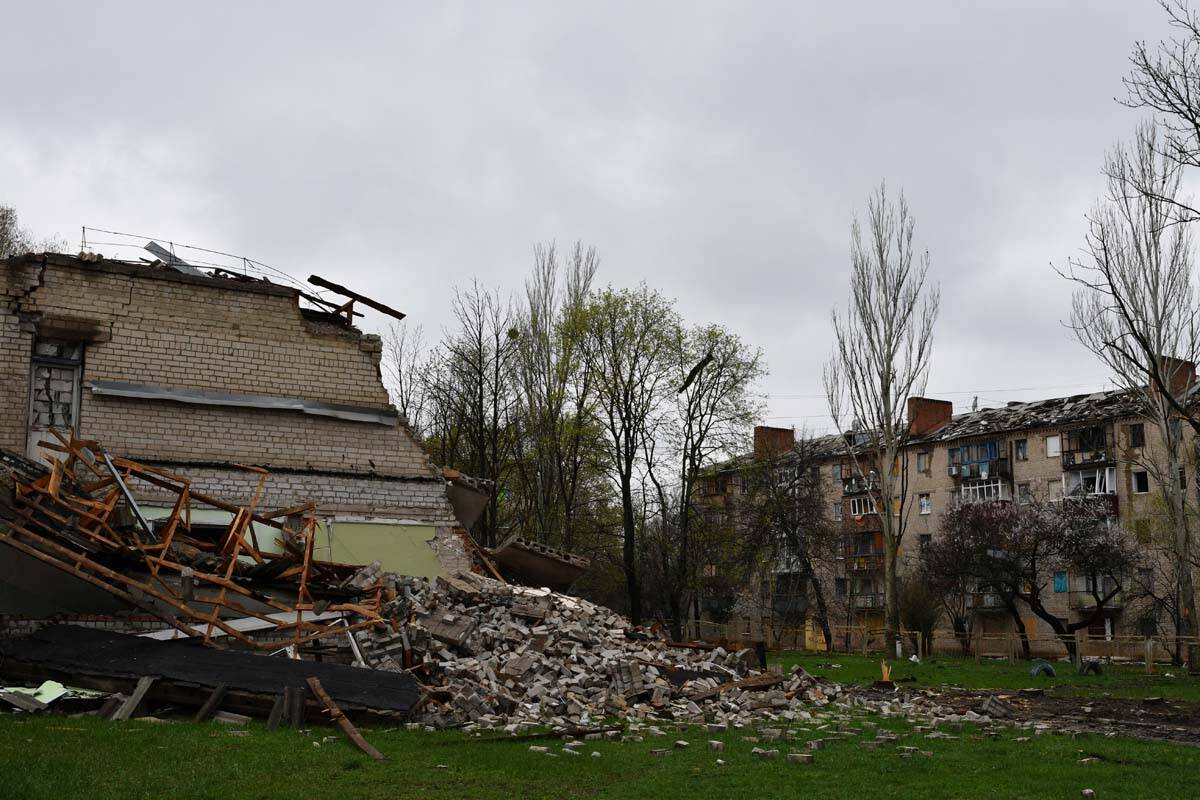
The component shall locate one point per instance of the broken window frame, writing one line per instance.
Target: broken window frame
(1136, 434)
(1091, 482)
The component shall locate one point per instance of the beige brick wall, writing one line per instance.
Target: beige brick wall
(160, 328)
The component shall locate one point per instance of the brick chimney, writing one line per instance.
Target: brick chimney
(1180, 375)
(770, 441)
(926, 415)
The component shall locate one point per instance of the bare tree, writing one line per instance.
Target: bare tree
(1165, 78)
(15, 240)
(1136, 309)
(881, 357)
(555, 394)
(405, 361)
(471, 383)
(627, 342)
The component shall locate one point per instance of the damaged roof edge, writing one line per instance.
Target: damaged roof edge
(388, 417)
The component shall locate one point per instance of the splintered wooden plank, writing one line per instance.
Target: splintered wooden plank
(294, 699)
(346, 725)
(129, 706)
(277, 711)
(212, 703)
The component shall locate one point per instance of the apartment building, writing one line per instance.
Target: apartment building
(203, 372)
(1093, 445)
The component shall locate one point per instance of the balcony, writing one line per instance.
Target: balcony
(1083, 601)
(1088, 447)
(862, 523)
(985, 601)
(1080, 597)
(867, 601)
(984, 491)
(864, 562)
(858, 485)
(1111, 505)
(976, 470)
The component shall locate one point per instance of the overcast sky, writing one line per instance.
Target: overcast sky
(717, 152)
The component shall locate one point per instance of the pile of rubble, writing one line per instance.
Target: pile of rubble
(500, 656)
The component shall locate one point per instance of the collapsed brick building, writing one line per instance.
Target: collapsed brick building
(1095, 445)
(201, 373)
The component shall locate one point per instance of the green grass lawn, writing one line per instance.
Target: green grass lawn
(1116, 680)
(58, 757)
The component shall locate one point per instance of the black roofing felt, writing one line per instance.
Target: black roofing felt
(70, 648)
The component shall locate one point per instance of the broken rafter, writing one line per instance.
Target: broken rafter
(317, 280)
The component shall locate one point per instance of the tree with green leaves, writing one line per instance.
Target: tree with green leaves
(628, 336)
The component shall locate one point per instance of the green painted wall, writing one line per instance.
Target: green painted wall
(398, 548)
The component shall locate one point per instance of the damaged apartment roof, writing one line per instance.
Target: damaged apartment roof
(1055, 412)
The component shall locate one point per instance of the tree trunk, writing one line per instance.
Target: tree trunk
(630, 553)
(822, 612)
(891, 597)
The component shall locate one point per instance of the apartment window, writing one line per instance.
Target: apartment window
(1021, 448)
(1024, 494)
(1137, 435)
(924, 539)
(814, 474)
(837, 512)
(862, 505)
(1053, 446)
(1141, 481)
(836, 471)
(925, 503)
(839, 587)
(1146, 579)
(923, 461)
(1060, 582)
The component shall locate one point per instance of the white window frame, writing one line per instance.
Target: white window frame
(1133, 481)
(925, 503)
(924, 460)
(862, 506)
(984, 490)
(1053, 443)
(837, 512)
